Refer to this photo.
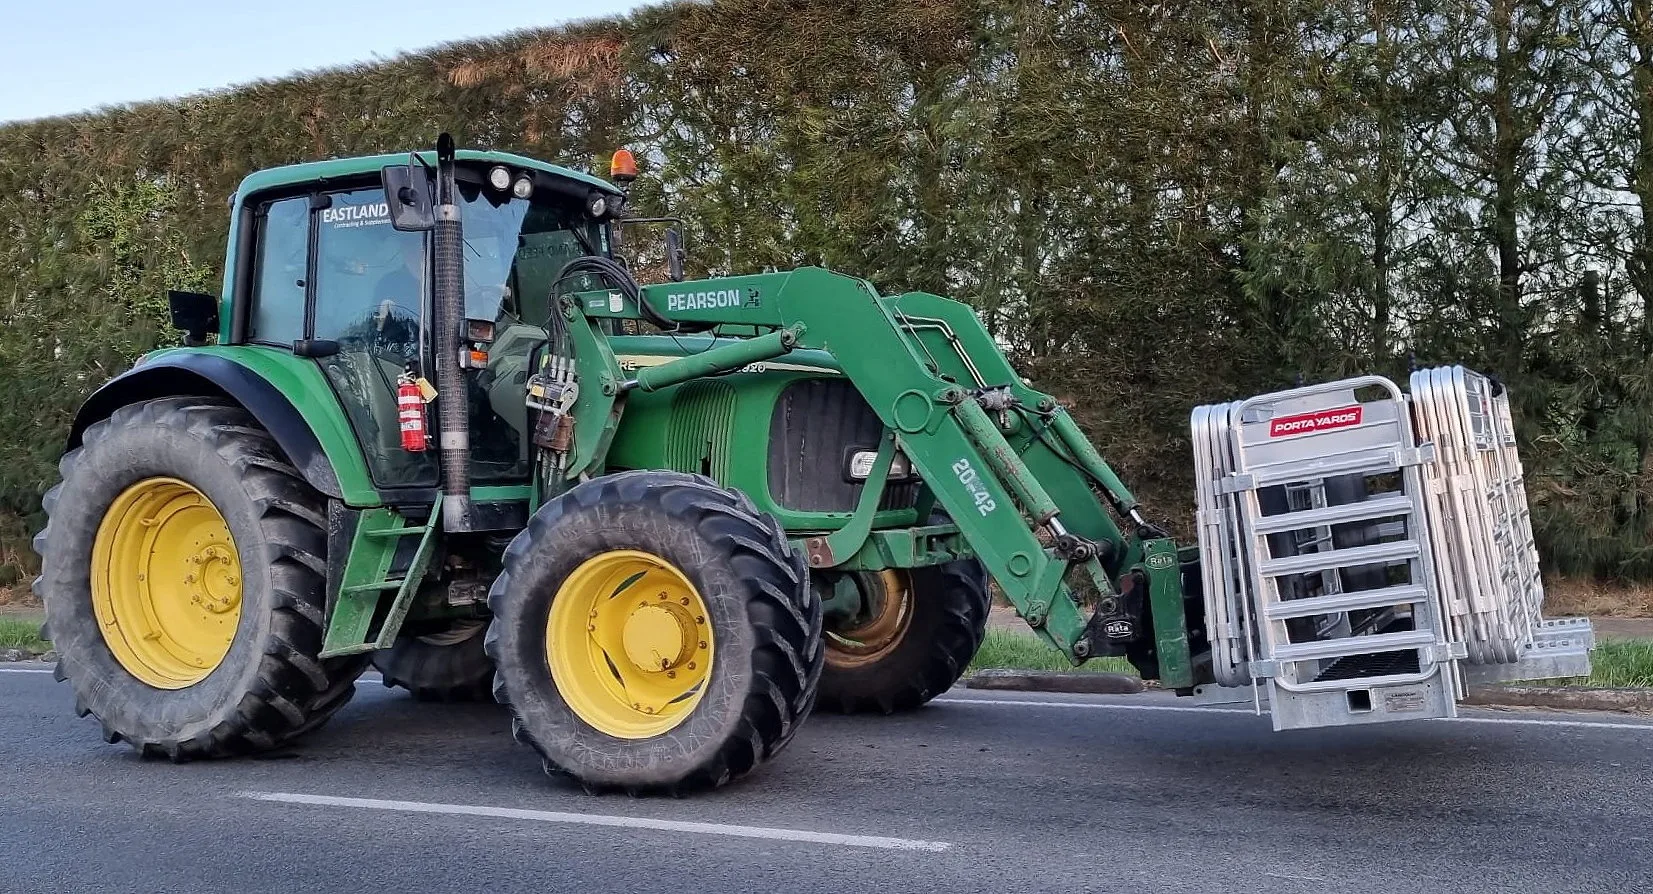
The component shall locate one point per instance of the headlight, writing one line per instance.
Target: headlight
(860, 465)
(523, 187)
(499, 177)
(596, 205)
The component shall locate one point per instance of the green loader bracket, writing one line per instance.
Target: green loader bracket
(1028, 494)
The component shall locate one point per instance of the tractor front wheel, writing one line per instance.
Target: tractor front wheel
(900, 638)
(654, 632)
(183, 572)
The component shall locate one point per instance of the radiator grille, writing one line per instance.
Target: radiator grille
(817, 424)
(697, 441)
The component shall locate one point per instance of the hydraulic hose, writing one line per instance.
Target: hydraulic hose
(618, 277)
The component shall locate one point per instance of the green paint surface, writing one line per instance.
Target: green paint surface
(303, 382)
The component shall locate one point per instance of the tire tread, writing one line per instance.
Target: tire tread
(786, 661)
(295, 690)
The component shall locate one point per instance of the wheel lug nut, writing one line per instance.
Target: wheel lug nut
(671, 675)
(691, 665)
(700, 619)
(703, 644)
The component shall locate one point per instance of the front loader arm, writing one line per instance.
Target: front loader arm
(1004, 460)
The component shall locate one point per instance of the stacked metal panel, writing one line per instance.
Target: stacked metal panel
(1359, 545)
(1489, 574)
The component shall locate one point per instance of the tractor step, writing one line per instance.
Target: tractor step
(1365, 551)
(378, 563)
(377, 587)
(399, 531)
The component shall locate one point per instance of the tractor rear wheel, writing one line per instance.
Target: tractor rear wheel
(654, 632)
(910, 639)
(184, 576)
(449, 666)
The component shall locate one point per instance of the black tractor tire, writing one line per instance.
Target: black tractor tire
(949, 606)
(444, 667)
(271, 686)
(764, 615)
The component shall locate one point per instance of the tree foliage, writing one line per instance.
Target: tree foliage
(1155, 205)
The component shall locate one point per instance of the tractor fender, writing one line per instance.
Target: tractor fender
(182, 373)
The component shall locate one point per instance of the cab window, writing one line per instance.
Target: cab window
(279, 265)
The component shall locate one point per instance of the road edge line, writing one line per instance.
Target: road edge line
(591, 819)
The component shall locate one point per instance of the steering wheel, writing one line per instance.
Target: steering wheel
(389, 332)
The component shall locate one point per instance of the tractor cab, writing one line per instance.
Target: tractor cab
(326, 273)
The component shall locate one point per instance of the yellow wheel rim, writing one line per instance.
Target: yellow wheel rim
(881, 631)
(630, 644)
(166, 583)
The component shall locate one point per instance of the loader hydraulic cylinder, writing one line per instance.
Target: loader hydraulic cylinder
(721, 359)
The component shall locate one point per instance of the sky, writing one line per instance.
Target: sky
(71, 55)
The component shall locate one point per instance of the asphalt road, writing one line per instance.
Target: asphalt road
(975, 793)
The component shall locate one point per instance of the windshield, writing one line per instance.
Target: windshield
(513, 252)
(514, 249)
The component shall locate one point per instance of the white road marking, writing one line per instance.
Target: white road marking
(1523, 721)
(624, 822)
(1196, 709)
(1099, 706)
(25, 670)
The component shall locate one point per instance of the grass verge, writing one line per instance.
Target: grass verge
(1013, 650)
(1615, 664)
(22, 633)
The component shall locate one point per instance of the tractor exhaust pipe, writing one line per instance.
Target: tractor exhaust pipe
(448, 298)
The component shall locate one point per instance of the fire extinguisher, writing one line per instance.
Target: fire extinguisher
(410, 407)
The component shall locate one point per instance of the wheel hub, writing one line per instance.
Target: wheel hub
(166, 583)
(659, 636)
(629, 644)
(217, 586)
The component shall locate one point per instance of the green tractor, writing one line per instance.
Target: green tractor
(443, 431)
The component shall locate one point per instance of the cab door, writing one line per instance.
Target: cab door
(328, 268)
(370, 294)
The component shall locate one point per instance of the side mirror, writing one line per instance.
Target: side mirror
(195, 313)
(407, 191)
(674, 254)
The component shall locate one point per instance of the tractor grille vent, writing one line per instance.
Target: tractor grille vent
(703, 414)
(817, 424)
